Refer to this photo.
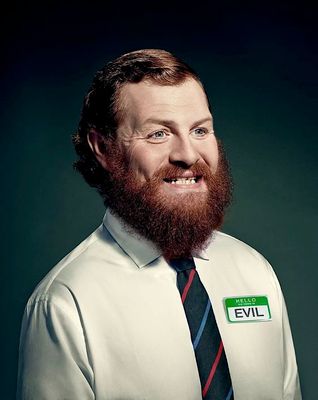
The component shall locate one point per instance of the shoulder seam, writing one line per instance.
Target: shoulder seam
(65, 263)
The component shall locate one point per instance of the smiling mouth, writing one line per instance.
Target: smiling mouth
(183, 181)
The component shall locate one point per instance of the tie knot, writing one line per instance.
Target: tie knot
(182, 264)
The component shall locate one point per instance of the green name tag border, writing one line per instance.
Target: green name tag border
(246, 301)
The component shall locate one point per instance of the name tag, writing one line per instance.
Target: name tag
(247, 309)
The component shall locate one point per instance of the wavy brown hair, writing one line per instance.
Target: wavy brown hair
(102, 109)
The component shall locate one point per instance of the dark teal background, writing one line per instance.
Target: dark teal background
(259, 65)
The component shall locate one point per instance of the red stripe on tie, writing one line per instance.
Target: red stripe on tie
(187, 286)
(213, 369)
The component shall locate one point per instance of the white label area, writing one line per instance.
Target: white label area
(249, 313)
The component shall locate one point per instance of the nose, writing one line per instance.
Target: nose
(183, 152)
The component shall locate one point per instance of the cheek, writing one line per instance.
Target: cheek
(144, 162)
(210, 154)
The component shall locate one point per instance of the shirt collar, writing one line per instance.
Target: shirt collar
(139, 249)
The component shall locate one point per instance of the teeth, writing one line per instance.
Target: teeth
(183, 181)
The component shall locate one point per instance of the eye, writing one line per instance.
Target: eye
(158, 135)
(200, 132)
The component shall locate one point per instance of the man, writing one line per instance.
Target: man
(120, 317)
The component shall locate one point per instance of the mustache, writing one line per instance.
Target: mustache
(173, 171)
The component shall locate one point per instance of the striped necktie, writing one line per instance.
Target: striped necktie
(206, 340)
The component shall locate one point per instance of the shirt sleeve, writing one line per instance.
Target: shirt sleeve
(291, 388)
(291, 379)
(53, 360)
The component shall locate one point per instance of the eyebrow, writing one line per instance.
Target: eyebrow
(169, 122)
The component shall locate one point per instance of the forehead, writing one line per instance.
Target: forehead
(145, 99)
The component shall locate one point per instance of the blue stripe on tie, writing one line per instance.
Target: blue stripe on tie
(229, 394)
(202, 325)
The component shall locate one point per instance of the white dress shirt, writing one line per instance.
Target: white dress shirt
(107, 323)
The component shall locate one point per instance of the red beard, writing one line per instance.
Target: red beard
(179, 224)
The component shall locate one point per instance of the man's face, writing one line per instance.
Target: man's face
(168, 178)
(168, 126)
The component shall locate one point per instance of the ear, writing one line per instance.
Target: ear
(97, 143)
